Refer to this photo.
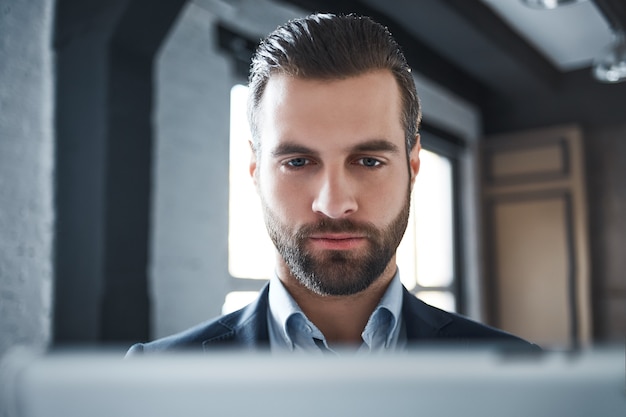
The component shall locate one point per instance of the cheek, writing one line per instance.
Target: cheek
(384, 201)
(284, 198)
(385, 205)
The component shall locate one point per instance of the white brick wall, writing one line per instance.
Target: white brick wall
(26, 172)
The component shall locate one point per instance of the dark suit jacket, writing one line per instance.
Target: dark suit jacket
(247, 328)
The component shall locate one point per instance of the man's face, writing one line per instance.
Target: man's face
(333, 179)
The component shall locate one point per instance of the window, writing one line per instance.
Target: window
(426, 256)
(250, 250)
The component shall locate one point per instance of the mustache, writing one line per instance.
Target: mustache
(336, 226)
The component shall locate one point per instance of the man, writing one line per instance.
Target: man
(334, 116)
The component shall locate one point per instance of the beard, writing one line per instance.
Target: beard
(337, 272)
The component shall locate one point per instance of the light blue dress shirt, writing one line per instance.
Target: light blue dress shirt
(290, 330)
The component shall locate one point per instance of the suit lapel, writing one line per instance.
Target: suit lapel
(421, 320)
(245, 329)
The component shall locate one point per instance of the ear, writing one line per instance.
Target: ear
(414, 159)
(253, 163)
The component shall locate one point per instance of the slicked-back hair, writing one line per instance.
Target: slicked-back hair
(332, 47)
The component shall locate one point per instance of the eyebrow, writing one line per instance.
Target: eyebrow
(374, 145)
(290, 149)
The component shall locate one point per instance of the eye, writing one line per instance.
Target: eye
(369, 162)
(297, 162)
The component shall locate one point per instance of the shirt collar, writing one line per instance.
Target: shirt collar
(382, 330)
(283, 309)
(290, 329)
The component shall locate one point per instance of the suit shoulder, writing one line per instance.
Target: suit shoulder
(439, 326)
(463, 326)
(246, 327)
(189, 339)
(470, 331)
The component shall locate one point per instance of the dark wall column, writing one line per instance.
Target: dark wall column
(104, 106)
(605, 153)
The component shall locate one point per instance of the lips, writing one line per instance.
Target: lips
(337, 241)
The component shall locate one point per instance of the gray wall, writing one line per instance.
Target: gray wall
(190, 195)
(26, 172)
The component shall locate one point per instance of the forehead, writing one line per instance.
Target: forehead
(363, 107)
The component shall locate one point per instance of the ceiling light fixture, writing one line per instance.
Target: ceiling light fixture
(549, 4)
(610, 67)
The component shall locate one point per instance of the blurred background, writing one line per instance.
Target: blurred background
(126, 212)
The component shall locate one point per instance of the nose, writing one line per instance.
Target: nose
(335, 196)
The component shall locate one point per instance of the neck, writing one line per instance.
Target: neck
(341, 319)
